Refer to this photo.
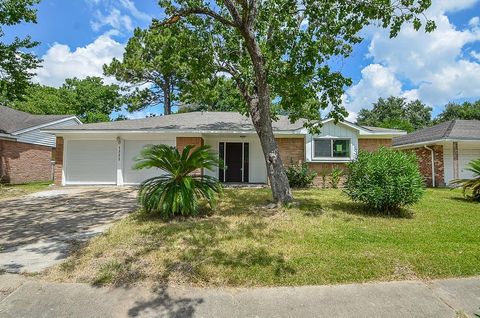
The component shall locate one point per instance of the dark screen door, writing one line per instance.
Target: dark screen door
(233, 161)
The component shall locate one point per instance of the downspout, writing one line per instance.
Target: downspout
(433, 164)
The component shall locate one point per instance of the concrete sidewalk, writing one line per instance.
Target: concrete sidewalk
(23, 297)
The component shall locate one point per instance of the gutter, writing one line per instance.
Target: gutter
(433, 164)
(7, 137)
(429, 142)
(172, 131)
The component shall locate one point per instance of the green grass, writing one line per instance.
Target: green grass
(326, 240)
(12, 191)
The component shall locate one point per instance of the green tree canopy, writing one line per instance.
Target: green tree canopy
(16, 63)
(217, 93)
(154, 63)
(397, 113)
(277, 52)
(453, 111)
(90, 99)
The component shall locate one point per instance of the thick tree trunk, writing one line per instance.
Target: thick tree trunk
(167, 100)
(275, 169)
(260, 112)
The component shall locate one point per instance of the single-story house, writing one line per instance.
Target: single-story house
(444, 150)
(25, 151)
(103, 153)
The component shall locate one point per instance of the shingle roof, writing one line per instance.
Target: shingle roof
(454, 129)
(383, 130)
(12, 120)
(203, 121)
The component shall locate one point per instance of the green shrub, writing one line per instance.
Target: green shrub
(335, 177)
(385, 180)
(473, 184)
(323, 175)
(179, 190)
(299, 176)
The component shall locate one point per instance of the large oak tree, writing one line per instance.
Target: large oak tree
(278, 52)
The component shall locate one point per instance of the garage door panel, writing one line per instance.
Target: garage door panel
(91, 162)
(132, 150)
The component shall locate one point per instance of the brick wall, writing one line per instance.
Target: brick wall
(321, 167)
(425, 161)
(23, 163)
(292, 150)
(58, 155)
(182, 142)
(373, 144)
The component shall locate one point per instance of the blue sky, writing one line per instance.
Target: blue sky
(79, 36)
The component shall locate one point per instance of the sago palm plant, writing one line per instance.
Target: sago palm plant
(473, 184)
(179, 189)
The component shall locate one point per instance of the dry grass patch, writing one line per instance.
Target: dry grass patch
(325, 240)
(13, 191)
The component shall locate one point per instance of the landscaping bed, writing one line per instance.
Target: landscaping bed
(327, 239)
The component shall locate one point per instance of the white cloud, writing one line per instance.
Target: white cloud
(449, 6)
(475, 55)
(61, 62)
(434, 63)
(130, 6)
(474, 22)
(114, 19)
(377, 81)
(119, 15)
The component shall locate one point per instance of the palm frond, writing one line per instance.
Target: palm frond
(470, 185)
(178, 191)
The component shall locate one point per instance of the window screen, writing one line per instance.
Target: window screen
(331, 148)
(323, 148)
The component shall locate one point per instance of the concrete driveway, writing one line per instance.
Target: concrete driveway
(39, 230)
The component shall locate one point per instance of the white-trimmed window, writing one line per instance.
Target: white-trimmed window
(331, 148)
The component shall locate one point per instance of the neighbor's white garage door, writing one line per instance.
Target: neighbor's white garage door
(466, 153)
(132, 149)
(91, 162)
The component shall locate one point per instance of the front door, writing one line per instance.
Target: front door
(233, 162)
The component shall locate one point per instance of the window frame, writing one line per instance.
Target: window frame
(331, 157)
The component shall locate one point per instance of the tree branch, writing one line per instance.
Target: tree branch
(233, 12)
(196, 11)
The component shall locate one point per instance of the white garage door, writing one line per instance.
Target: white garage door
(132, 149)
(91, 162)
(466, 153)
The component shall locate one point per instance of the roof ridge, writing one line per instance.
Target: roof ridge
(450, 128)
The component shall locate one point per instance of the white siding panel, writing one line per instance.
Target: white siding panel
(131, 150)
(38, 137)
(90, 162)
(467, 151)
(333, 131)
(257, 168)
(448, 162)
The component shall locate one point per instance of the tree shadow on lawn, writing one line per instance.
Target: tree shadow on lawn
(360, 209)
(213, 242)
(193, 243)
(464, 200)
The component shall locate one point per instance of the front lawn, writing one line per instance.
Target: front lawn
(13, 191)
(326, 240)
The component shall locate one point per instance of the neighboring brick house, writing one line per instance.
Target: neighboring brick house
(104, 153)
(444, 150)
(25, 151)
